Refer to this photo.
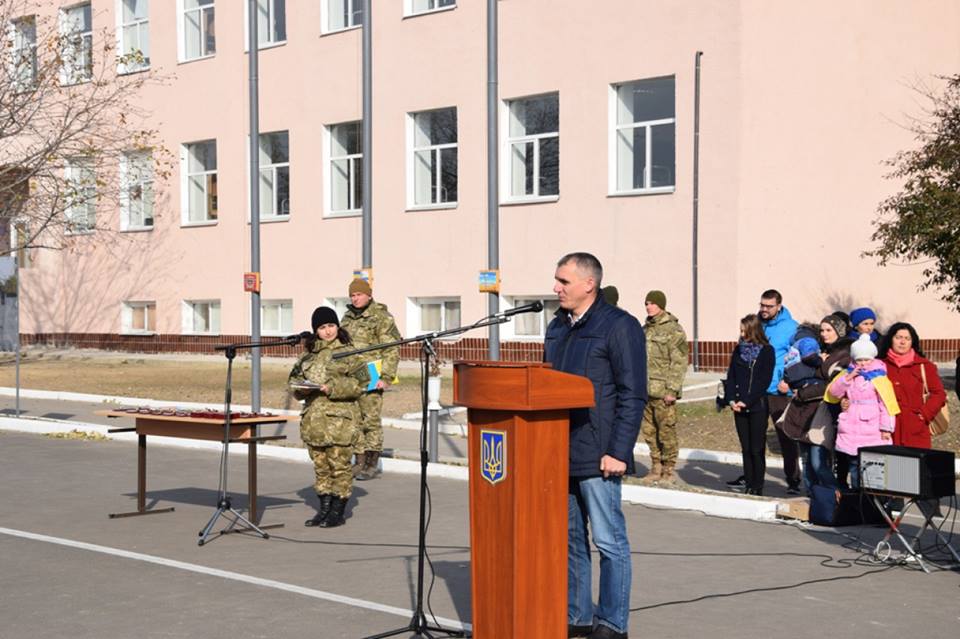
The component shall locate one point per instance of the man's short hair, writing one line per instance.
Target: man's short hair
(772, 294)
(586, 262)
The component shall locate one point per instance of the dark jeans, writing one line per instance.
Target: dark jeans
(850, 462)
(817, 467)
(789, 448)
(752, 431)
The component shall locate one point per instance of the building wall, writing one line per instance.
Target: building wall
(800, 107)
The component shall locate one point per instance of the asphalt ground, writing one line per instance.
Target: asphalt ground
(68, 570)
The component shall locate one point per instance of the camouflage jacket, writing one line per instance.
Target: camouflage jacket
(331, 419)
(371, 325)
(666, 355)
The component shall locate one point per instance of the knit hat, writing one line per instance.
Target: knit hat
(323, 315)
(863, 348)
(658, 298)
(857, 315)
(610, 295)
(360, 286)
(807, 346)
(838, 323)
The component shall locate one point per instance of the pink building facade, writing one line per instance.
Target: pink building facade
(800, 108)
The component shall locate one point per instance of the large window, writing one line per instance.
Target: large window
(433, 158)
(76, 44)
(136, 196)
(533, 147)
(138, 318)
(275, 175)
(276, 317)
(201, 317)
(643, 142)
(271, 22)
(133, 28)
(533, 325)
(342, 14)
(430, 314)
(197, 33)
(413, 7)
(23, 53)
(80, 196)
(199, 184)
(346, 168)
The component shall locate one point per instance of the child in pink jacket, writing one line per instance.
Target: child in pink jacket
(870, 419)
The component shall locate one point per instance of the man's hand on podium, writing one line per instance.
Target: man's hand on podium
(612, 467)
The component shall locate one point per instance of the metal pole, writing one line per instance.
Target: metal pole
(493, 192)
(696, 213)
(16, 274)
(433, 406)
(254, 51)
(367, 162)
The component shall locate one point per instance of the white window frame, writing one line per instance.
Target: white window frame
(410, 9)
(614, 127)
(280, 305)
(141, 178)
(325, 16)
(185, 176)
(22, 50)
(188, 325)
(506, 150)
(270, 12)
(509, 330)
(182, 12)
(354, 161)
(127, 309)
(142, 26)
(68, 74)
(411, 155)
(415, 315)
(76, 172)
(271, 168)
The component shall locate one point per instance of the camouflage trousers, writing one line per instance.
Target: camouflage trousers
(660, 431)
(371, 429)
(333, 470)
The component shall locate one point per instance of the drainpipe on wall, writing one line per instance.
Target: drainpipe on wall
(254, 52)
(367, 162)
(493, 192)
(696, 213)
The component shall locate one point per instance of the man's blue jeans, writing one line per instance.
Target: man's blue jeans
(817, 467)
(595, 502)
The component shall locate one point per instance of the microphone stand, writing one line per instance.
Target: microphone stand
(224, 504)
(418, 623)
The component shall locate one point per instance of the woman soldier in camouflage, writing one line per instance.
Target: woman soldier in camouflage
(330, 417)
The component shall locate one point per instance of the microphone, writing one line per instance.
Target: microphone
(534, 307)
(295, 338)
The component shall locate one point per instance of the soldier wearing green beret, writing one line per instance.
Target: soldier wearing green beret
(329, 423)
(370, 323)
(666, 366)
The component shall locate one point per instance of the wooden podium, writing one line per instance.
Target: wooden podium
(519, 464)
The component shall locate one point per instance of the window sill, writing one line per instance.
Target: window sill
(657, 191)
(192, 224)
(137, 229)
(123, 71)
(194, 334)
(203, 57)
(336, 31)
(429, 12)
(262, 47)
(76, 83)
(139, 333)
(79, 233)
(432, 207)
(338, 214)
(273, 219)
(517, 201)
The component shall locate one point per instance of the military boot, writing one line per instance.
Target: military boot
(668, 475)
(371, 469)
(654, 475)
(325, 501)
(359, 463)
(334, 517)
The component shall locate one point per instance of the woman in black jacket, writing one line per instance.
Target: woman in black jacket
(748, 376)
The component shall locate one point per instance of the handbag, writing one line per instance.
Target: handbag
(941, 421)
(823, 427)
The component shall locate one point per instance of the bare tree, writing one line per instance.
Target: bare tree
(72, 134)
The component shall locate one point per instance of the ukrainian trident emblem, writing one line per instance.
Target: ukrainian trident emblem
(493, 455)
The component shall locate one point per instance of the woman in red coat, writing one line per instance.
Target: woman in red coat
(900, 351)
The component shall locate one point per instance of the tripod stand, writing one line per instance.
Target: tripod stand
(418, 623)
(224, 504)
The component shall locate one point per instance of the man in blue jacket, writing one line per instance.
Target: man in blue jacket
(780, 327)
(606, 344)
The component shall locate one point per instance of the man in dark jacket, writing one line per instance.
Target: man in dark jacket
(606, 344)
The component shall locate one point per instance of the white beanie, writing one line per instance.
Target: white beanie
(863, 348)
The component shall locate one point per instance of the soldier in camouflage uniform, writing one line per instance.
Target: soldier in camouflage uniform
(666, 365)
(369, 323)
(329, 423)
